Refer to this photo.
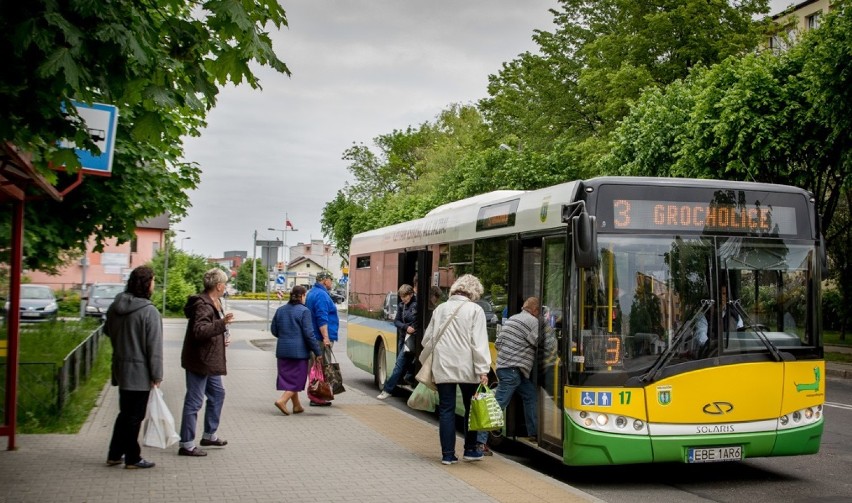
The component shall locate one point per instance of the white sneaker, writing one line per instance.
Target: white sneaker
(384, 394)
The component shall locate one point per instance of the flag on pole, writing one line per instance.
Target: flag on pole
(288, 224)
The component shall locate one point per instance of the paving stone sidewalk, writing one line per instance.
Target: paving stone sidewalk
(360, 449)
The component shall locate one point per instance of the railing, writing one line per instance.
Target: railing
(44, 388)
(78, 365)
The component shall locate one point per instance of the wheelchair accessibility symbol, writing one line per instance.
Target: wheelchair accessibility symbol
(587, 398)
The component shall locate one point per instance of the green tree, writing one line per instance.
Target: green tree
(185, 277)
(602, 55)
(243, 281)
(160, 62)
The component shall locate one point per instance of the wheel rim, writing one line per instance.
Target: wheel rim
(381, 371)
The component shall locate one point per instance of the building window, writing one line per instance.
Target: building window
(813, 21)
(133, 244)
(362, 262)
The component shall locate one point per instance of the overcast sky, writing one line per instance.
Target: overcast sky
(360, 69)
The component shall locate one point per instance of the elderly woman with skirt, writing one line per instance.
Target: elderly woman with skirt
(293, 327)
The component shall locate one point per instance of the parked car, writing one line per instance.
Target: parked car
(99, 297)
(338, 296)
(490, 315)
(38, 303)
(390, 305)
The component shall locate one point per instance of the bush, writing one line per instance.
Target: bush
(832, 312)
(69, 306)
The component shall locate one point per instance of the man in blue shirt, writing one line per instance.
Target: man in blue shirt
(323, 315)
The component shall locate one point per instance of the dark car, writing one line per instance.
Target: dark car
(38, 303)
(490, 315)
(99, 297)
(338, 296)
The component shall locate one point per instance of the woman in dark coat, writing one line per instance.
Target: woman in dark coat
(135, 329)
(293, 327)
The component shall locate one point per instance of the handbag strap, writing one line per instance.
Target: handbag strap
(443, 328)
(331, 358)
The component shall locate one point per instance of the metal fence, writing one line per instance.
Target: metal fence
(44, 388)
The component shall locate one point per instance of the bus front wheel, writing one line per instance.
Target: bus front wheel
(380, 366)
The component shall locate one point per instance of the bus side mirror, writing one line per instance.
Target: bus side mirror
(585, 240)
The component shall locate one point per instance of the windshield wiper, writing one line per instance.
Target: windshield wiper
(684, 334)
(776, 353)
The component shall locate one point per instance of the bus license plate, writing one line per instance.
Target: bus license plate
(715, 454)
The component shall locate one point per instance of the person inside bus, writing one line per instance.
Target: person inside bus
(406, 327)
(516, 347)
(706, 340)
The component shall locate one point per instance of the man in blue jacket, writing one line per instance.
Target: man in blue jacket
(323, 315)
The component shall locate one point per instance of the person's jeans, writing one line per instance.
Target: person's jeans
(402, 361)
(132, 406)
(510, 380)
(197, 386)
(447, 416)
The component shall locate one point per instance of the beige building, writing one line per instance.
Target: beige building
(795, 20)
(307, 259)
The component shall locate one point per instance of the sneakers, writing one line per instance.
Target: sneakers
(115, 462)
(449, 459)
(384, 394)
(472, 455)
(484, 450)
(140, 464)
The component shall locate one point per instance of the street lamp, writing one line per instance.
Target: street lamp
(182, 240)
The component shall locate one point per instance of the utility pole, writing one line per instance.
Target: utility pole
(254, 263)
(285, 260)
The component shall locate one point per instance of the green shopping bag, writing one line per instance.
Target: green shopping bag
(485, 412)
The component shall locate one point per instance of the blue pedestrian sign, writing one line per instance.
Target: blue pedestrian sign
(604, 398)
(279, 279)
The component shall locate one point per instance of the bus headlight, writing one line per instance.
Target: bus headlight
(801, 417)
(609, 423)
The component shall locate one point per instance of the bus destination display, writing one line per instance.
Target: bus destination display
(634, 214)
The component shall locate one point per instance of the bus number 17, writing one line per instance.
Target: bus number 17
(624, 397)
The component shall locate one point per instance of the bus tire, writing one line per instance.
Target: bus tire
(380, 366)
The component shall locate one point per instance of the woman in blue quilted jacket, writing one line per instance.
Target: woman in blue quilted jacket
(293, 327)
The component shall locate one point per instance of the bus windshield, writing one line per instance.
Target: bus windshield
(687, 299)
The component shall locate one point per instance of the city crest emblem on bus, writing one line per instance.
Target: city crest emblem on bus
(664, 395)
(542, 213)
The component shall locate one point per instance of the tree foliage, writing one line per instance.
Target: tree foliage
(243, 281)
(160, 62)
(602, 55)
(185, 277)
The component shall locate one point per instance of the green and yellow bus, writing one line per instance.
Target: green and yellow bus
(680, 320)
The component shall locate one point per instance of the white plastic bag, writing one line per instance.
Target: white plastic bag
(159, 428)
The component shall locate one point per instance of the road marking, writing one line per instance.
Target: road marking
(838, 405)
